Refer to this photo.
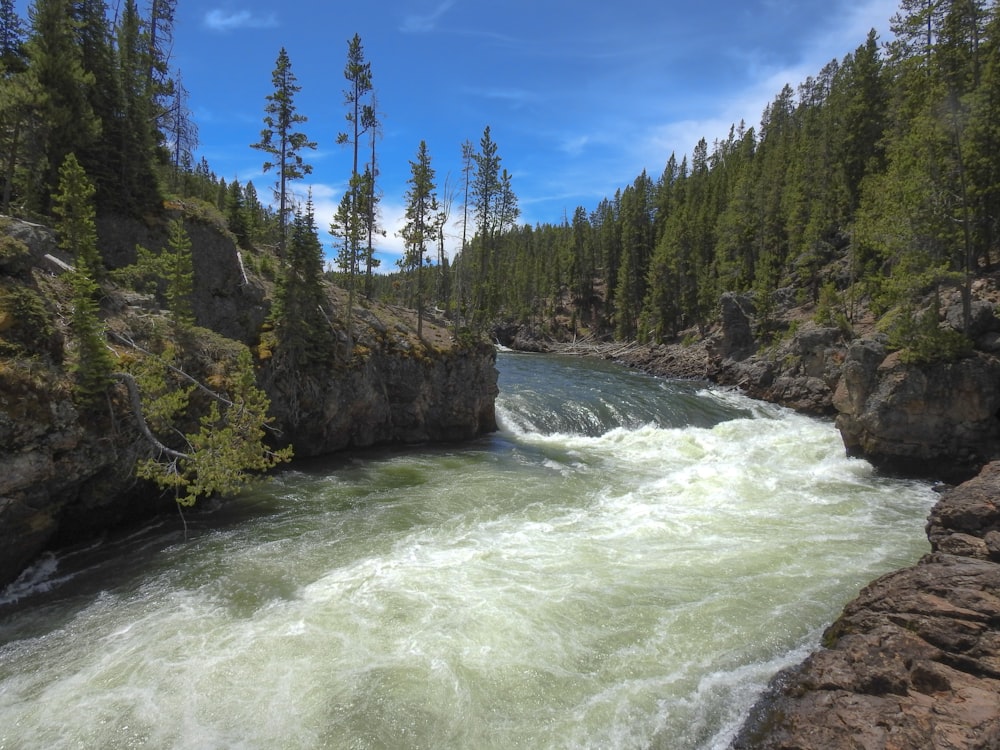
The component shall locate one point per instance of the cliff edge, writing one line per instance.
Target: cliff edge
(914, 661)
(68, 475)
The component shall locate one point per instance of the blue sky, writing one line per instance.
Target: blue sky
(580, 96)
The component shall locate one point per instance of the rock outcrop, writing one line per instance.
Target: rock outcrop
(939, 420)
(399, 393)
(66, 476)
(60, 477)
(914, 661)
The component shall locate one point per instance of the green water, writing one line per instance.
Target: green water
(624, 565)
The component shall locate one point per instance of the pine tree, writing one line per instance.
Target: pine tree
(236, 213)
(227, 450)
(159, 83)
(67, 123)
(636, 243)
(180, 131)
(73, 206)
(134, 152)
(281, 142)
(11, 40)
(485, 192)
(301, 325)
(179, 269)
(360, 117)
(20, 98)
(422, 218)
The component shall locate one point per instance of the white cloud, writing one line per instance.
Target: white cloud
(833, 42)
(422, 23)
(223, 20)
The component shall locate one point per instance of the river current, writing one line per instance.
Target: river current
(625, 564)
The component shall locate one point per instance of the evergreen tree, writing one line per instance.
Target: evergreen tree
(636, 230)
(485, 192)
(66, 121)
(360, 117)
(159, 83)
(370, 197)
(11, 40)
(76, 227)
(20, 98)
(582, 263)
(180, 131)
(179, 275)
(135, 181)
(281, 142)
(236, 212)
(228, 448)
(422, 218)
(303, 332)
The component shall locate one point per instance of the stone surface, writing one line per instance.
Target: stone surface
(914, 661)
(935, 420)
(393, 395)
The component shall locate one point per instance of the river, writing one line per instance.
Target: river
(625, 564)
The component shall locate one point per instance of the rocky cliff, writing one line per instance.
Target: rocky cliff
(66, 475)
(914, 661)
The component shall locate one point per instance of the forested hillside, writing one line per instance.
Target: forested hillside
(874, 182)
(160, 326)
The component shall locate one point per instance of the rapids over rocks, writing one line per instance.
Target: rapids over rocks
(624, 565)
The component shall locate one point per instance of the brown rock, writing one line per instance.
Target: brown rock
(926, 679)
(936, 420)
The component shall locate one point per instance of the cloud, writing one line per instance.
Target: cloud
(713, 120)
(326, 200)
(223, 20)
(422, 23)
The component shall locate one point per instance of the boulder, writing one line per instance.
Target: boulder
(982, 319)
(935, 420)
(800, 371)
(914, 661)
(736, 313)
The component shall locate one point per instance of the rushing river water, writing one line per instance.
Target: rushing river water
(624, 565)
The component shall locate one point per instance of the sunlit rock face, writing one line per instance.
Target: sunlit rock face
(938, 420)
(389, 395)
(913, 661)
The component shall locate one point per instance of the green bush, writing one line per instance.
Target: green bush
(920, 337)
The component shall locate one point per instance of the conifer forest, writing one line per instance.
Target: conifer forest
(874, 184)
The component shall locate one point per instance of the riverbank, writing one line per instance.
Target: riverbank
(914, 660)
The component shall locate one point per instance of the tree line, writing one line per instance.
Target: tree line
(876, 181)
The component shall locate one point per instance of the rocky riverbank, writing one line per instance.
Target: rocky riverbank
(67, 476)
(914, 661)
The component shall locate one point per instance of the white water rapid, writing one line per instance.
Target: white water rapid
(624, 565)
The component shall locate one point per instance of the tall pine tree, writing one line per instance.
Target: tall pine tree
(280, 140)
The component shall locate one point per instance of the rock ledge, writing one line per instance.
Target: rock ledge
(914, 661)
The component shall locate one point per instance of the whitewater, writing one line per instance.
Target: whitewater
(625, 564)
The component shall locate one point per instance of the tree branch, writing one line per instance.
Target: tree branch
(177, 371)
(136, 399)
